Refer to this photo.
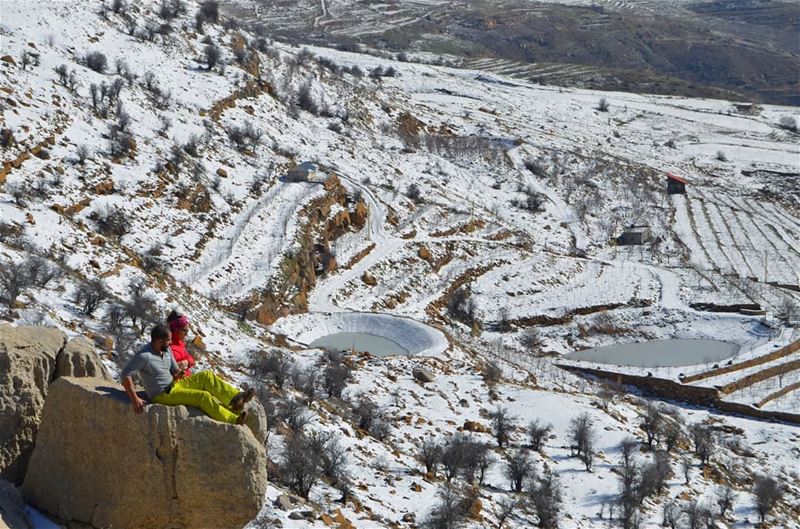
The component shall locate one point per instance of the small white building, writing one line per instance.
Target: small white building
(304, 172)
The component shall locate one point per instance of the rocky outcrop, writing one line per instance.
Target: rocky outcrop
(422, 375)
(98, 463)
(12, 508)
(31, 358)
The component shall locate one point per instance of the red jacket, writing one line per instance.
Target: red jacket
(180, 353)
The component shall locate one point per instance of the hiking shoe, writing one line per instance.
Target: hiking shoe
(242, 398)
(242, 418)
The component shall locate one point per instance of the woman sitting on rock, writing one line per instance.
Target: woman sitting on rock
(179, 327)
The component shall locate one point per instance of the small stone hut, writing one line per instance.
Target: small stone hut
(304, 172)
(635, 235)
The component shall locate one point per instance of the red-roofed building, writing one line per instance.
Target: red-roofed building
(676, 185)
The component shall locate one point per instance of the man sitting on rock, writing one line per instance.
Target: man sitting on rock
(166, 383)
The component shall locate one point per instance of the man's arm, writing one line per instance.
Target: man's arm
(135, 364)
(138, 404)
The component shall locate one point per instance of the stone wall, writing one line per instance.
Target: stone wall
(670, 389)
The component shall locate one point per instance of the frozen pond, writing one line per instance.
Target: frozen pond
(359, 341)
(379, 334)
(659, 353)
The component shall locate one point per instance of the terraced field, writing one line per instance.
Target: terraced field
(739, 236)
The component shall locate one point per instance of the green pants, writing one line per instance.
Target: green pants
(203, 390)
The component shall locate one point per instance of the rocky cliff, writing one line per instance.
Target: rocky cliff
(98, 463)
(30, 359)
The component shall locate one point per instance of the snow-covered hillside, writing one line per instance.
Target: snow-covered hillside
(480, 210)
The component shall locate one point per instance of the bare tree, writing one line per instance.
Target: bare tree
(335, 378)
(275, 365)
(704, 442)
(725, 498)
(545, 499)
(451, 510)
(519, 469)
(454, 455)
(504, 509)
(532, 340)
(670, 515)
(502, 425)
(300, 464)
(477, 460)
(430, 454)
(652, 423)
(492, 373)
(537, 433)
(90, 295)
(583, 436)
(768, 493)
(13, 281)
(212, 55)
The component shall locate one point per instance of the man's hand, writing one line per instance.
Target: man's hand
(138, 406)
(179, 375)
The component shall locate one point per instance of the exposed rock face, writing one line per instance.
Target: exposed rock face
(30, 358)
(12, 508)
(98, 463)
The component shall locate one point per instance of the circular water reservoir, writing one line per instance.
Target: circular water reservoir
(659, 353)
(379, 334)
(359, 341)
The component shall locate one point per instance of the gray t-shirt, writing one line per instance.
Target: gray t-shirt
(155, 369)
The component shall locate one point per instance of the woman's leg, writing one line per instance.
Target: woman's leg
(199, 399)
(208, 381)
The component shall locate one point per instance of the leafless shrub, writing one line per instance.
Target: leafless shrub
(369, 417)
(652, 423)
(212, 55)
(335, 378)
(451, 510)
(13, 281)
(275, 365)
(704, 442)
(698, 516)
(295, 414)
(210, 11)
(538, 433)
(583, 436)
(768, 493)
(477, 460)
(502, 425)
(519, 469)
(141, 307)
(41, 272)
(82, 154)
(454, 455)
(306, 381)
(602, 105)
(90, 295)
(725, 497)
(306, 99)
(112, 221)
(246, 136)
(430, 454)
(299, 466)
(721, 156)
(492, 373)
(545, 498)
(96, 61)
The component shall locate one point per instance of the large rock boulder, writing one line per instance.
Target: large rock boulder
(31, 358)
(98, 463)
